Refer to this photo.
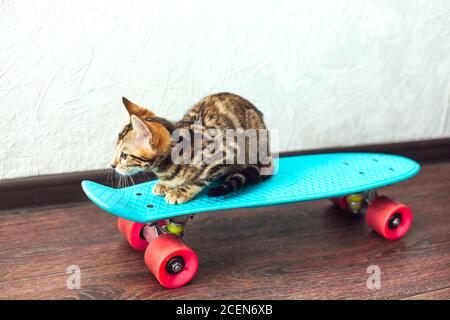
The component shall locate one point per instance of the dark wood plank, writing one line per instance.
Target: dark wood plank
(443, 294)
(297, 251)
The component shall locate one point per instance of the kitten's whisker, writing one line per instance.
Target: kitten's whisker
(147, 175)
(109, 174)
(132, 181)
(111, 178)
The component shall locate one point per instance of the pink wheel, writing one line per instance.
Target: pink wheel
(389, 218)
(341, 202)
(172, 262)
(132, 233)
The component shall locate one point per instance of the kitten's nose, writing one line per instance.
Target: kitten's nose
(113, 166)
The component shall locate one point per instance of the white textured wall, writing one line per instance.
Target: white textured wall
(326, 73)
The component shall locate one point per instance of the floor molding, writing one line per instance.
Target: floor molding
(64, 188)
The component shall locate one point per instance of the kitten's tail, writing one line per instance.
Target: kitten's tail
(235, 181)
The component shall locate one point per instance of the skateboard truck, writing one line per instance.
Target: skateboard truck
(355, 202)
(176, 225)
(359, 202)
(173, 226)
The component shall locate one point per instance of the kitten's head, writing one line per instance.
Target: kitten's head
(140, 142)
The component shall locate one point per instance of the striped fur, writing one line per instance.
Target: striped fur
(145, 144)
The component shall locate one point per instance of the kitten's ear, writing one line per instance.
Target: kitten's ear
(135, 109)
(143, 133)
(131, 107)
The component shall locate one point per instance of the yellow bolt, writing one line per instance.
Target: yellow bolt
(357, 197)
(175, 228)
(354, 201)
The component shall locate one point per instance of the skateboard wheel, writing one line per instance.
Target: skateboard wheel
(389, 218)
(341, 202)
(172, 262)
(132, 233)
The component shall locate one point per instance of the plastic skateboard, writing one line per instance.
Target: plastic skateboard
(350, 180)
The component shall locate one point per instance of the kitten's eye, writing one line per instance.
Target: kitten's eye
(123, 155)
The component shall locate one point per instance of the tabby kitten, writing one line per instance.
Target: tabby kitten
(147, 143)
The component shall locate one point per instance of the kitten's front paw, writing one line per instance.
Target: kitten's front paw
(175, 196)
(159, 189)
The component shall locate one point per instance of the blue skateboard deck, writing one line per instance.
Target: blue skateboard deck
(298, 178)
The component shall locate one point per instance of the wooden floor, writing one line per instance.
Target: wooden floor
(297, 251)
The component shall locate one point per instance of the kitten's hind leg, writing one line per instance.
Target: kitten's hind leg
(182, 194)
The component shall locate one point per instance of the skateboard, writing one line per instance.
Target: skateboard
(349, 180)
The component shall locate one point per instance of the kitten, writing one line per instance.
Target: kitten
(147, 143)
